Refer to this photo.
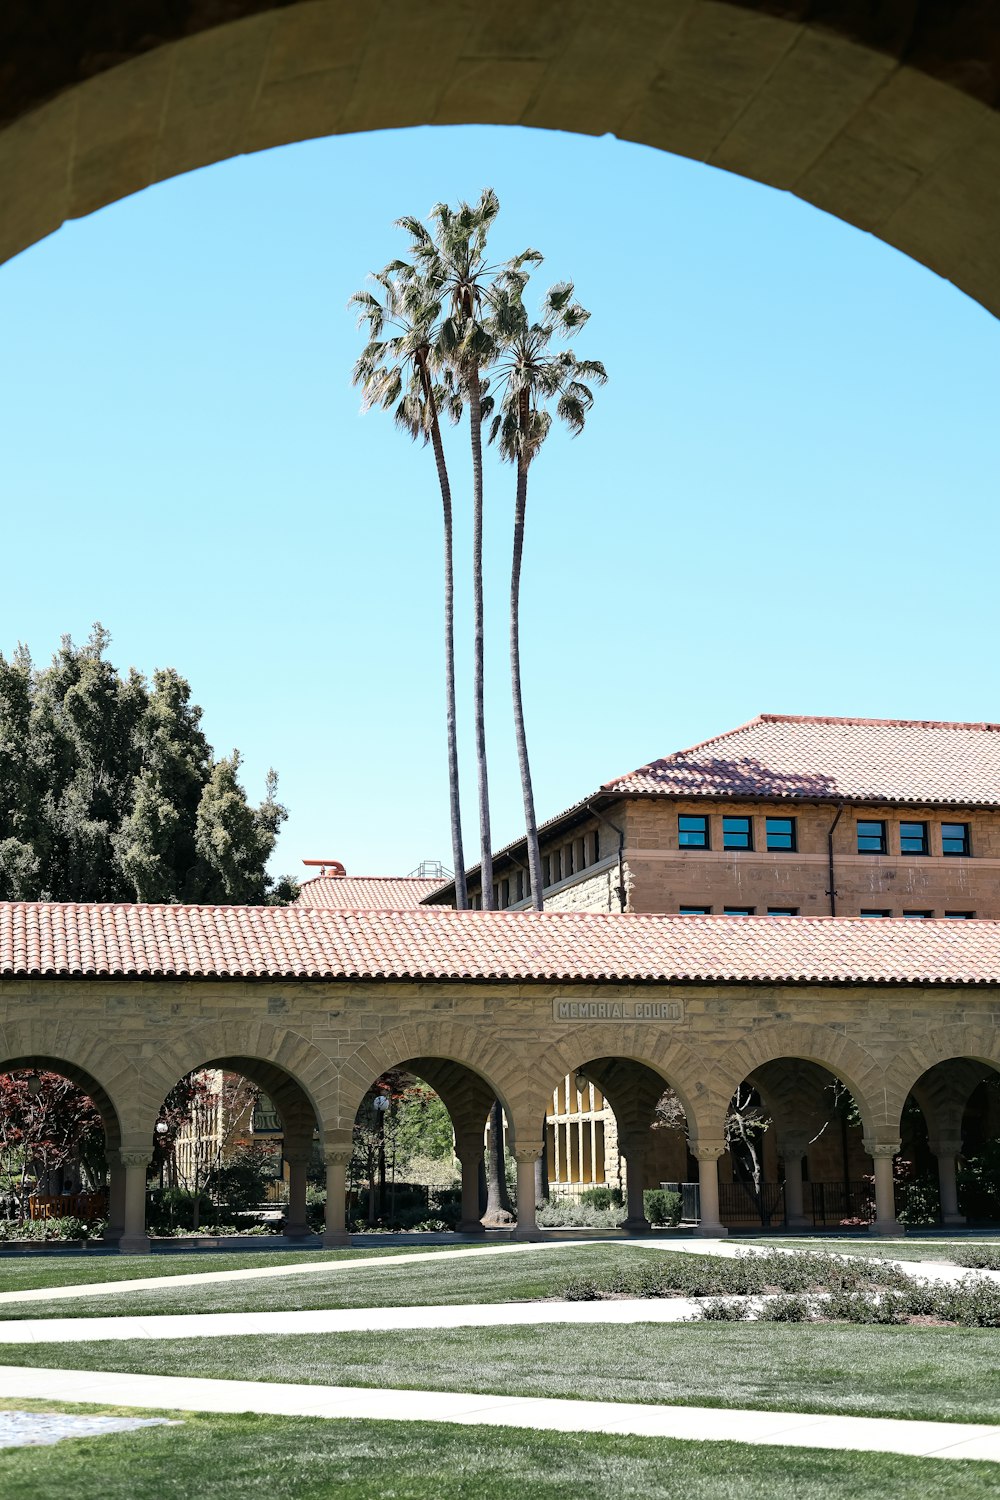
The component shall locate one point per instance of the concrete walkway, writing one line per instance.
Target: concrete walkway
(775, 1429)
(344, 1320)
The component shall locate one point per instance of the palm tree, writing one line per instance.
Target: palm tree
(531, 376)
(452, 260)
(396, 369)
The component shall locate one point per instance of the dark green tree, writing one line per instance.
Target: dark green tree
(109, 790)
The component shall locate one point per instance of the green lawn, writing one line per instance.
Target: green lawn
(503, 1276)
(287, 1458)
(82, 1267)
(938, 1374)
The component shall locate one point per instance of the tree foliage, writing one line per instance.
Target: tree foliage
(46, 1125)
(109, 790)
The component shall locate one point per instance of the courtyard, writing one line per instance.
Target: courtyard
(400, 1358)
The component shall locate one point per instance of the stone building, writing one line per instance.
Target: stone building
(786, 817)
(313, 1005)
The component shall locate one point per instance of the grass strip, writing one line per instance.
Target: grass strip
(391, 1282)
(936, 1374)
(287, 1458)
(29, 1271)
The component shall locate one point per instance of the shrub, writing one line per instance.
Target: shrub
(786, 1309)
(568, 1215)
(980, 1257)
(50, 1230)
(173, 1209)
(724, 1310)
(603, 1197)
(661, 1207)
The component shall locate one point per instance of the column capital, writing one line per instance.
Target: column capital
(470, 1150)
(708, 1150)
(943, 1145)
(881, 1148)
(134, 1158)
(298, 1156)
(634, 1143)
(525, 1154)
(339, 1156)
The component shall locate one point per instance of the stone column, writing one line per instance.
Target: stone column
(469, 1148)
(116, 1198)
(527, 1227)
(296, 1218)
(336, 1194)
(634, 1148)
(708, 1153)
(134, 1239)
(946, 1149)
(882, 1154)
(793, 1152)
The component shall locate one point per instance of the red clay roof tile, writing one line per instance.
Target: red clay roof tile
(875, 760)
(248, 942)
(340, 892)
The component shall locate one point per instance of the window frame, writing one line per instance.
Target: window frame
(793, 834)
(783, 911)
(966, 849)
(860, 823)
(744, 818)
(870, 914)
(961, 916)
(925, 838)
(694, 911)
(683, 841)
(739, 911)
(918, 916)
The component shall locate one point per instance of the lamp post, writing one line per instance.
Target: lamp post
(162, 1131)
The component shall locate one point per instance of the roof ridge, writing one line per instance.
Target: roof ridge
(862, 722)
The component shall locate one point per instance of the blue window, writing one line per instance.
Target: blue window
(737, 833)
(739, 911)
(780, 834)
(954, 838)
(692, 831)
(782, 911)
(875, 914)
(913, 838)
(871, 838)
(695, 911)
(918, 914)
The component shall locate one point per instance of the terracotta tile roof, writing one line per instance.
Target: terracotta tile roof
(873, 760)
(253, 942)
(339, 892)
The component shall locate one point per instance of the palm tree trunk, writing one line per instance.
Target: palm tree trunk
(486, 847)
(499, 1208)
(530, 822)
(454, 800)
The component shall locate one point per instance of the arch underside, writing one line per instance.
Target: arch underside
(826, 110)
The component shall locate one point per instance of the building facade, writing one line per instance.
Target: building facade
(782, 817)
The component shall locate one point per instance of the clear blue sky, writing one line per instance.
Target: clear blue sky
(785, 499)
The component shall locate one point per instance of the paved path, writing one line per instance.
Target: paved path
(779, 1429)
(344, 1320)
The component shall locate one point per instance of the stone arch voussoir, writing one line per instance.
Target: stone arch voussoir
(816, 1044)
(910, 1063)
(446, 1040)
(678, 1064)
(86, 1058)
(307, 1068)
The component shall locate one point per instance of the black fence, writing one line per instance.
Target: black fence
(826, 1205)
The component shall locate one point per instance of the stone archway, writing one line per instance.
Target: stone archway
(888, 121)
